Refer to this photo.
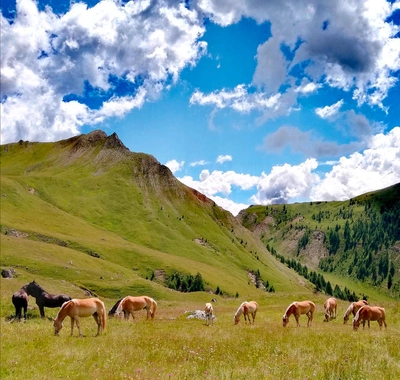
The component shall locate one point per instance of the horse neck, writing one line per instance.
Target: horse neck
(120, 306)
(349, 310)
(239, 311)
(62, 313)
(37, 290)
(289, 311)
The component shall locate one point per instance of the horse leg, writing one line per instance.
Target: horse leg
(18, 312)
(297, 317)
(72, 326)
(25, 312)
(310, 318)
(98, 321)
(78, 324)
(41, 308)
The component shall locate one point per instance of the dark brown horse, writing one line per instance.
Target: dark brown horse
(44, 299)
(20, 301)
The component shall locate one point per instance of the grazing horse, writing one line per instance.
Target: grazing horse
(298, 308)
(353, 308)
(44, 299)
(77, 308)
(130, 304)
(209, 311)
(330, 307)
(20, 301)
(369, 313)
(246, 308)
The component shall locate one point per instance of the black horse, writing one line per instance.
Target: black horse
(20, 301)
(44, 299)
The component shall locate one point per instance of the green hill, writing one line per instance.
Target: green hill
(354, 243)
(88, 213)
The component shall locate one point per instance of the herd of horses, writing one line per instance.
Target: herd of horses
(80, 308)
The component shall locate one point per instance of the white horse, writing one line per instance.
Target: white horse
(246, 308)
(209, 311)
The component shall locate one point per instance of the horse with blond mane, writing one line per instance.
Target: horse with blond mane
(130, 304)
(246, 308)
(209, 312)
(330, 307)
(298, 308)
(77, 308)
(353, 308)
(369, 313)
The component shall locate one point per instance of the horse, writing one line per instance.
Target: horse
(330, 307)
(20, 301)
(209, 312)
(298, 308)
(130, 304)
(369, 313)
(44, 299)
(246, 308)
(76, 308)
(353, 308)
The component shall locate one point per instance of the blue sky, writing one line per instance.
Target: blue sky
(249, 102)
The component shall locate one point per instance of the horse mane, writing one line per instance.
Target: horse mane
(288, 308)
(119, 309)
(349, 310)
(357, 316)
(239, 311)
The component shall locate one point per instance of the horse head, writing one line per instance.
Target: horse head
(285, 320)
(57, 326)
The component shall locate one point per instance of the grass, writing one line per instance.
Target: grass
(173, 347)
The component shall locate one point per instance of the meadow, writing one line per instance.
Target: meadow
(174, 347)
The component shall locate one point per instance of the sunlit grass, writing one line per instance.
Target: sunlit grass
(173, 347)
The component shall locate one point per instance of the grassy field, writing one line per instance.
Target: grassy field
(174, 347)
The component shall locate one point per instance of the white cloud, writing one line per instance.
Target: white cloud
(45, 57)
(374, 168)
(286, 182)
(175, 166)
(345, 44)
(329, 111)
(199, 163)
(226, 158)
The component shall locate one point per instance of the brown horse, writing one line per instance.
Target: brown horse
(369, 313)
(44, 299)
(77, 308)
(330, 307)
(209, 312)
(298, 308)
(130, 304)
(246, 308)
(353, 308)
(20, 301)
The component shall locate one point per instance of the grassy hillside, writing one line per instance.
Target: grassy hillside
(354, 243)
(89, 213)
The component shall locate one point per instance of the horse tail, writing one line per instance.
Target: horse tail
(153, 308)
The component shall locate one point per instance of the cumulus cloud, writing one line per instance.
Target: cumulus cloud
(329, 111)
(218, 182)
(347, 44)
(226, 158)
(175, 166)
(376, 167)
(286, 182)
(48, 61)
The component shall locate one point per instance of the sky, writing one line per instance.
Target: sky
(249, 102)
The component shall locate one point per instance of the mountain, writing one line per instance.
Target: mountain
(357, 239)
(87, 211)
